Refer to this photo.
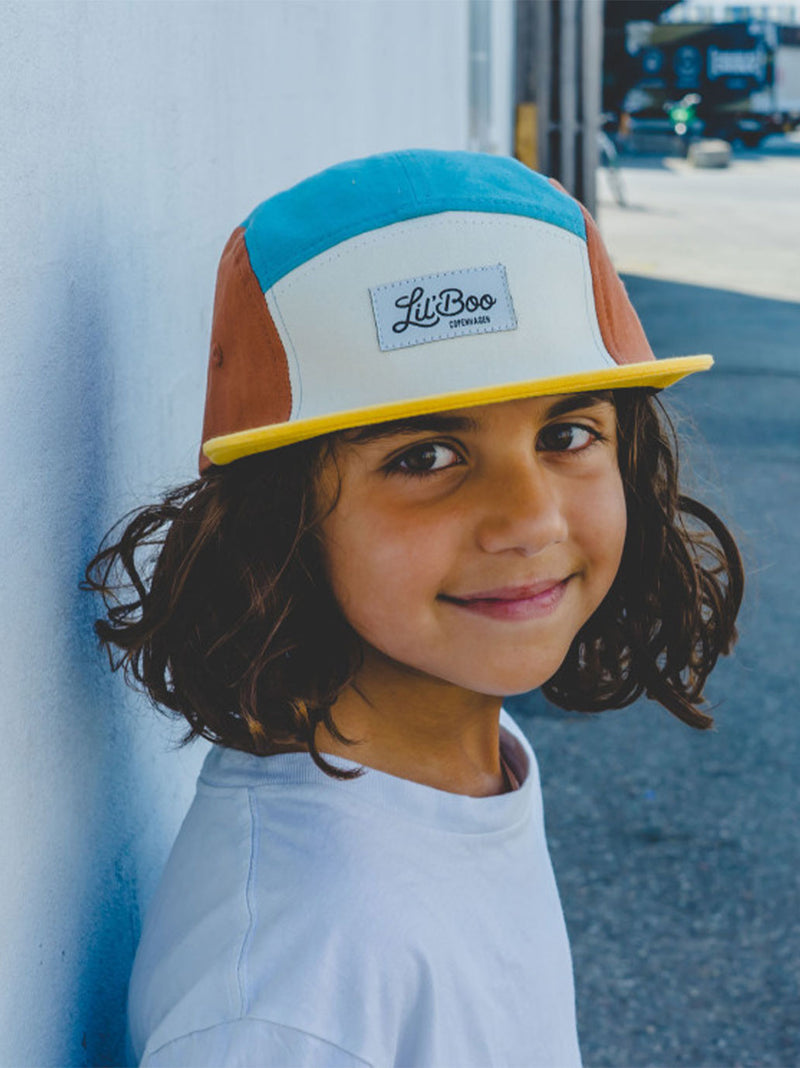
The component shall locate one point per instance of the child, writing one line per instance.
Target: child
(432, 475)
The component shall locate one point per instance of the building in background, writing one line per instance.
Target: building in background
(741, 77)
(572, 66)
(559, 55)
(786, 14)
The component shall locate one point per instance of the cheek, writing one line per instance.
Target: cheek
(376, 565)
(604, 522)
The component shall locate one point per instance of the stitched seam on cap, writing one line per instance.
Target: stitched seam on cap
(591, 310)
(398, 156)
(603, 302)
(509, 205)
(364, 240)
(288, 347)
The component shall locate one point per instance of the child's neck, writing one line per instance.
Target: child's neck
(419, 728)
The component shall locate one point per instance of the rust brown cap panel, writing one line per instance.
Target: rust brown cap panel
(248, 374)
(622, 332)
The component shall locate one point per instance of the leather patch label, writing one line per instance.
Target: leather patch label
(434, 307)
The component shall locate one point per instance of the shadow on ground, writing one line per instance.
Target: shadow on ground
(747, 334)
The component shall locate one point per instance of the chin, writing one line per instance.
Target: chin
(508, 684)
(523, 671)
(502, 692)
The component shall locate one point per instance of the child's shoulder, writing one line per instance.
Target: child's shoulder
(260, 824)
(281, 875)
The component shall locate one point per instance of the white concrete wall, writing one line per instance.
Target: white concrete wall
(134, 136)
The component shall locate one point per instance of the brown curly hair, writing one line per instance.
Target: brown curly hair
(218, 605)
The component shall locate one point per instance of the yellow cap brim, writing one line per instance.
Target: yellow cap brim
(657, 374)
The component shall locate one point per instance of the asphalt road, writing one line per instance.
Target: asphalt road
(677, 851)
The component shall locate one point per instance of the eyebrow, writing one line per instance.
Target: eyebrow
(444, 423)
(436, 423)
(579, 400)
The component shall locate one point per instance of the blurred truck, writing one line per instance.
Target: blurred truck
(746, 75)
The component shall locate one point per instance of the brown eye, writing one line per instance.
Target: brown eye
(426, 458)
(566, 437)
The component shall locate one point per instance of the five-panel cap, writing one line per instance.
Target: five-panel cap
(413, 282)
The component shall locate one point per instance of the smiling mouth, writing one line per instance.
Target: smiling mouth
(513, 602)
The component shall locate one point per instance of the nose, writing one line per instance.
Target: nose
(520, 509)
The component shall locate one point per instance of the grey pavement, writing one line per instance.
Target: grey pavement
(678, 852)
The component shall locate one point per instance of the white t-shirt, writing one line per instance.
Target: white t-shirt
(303, 920)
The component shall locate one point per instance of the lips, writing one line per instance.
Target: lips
(512, 593)
(514, 602)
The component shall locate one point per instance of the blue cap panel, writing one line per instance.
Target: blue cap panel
(361, 195)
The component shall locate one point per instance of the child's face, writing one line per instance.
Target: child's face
(472, 545)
